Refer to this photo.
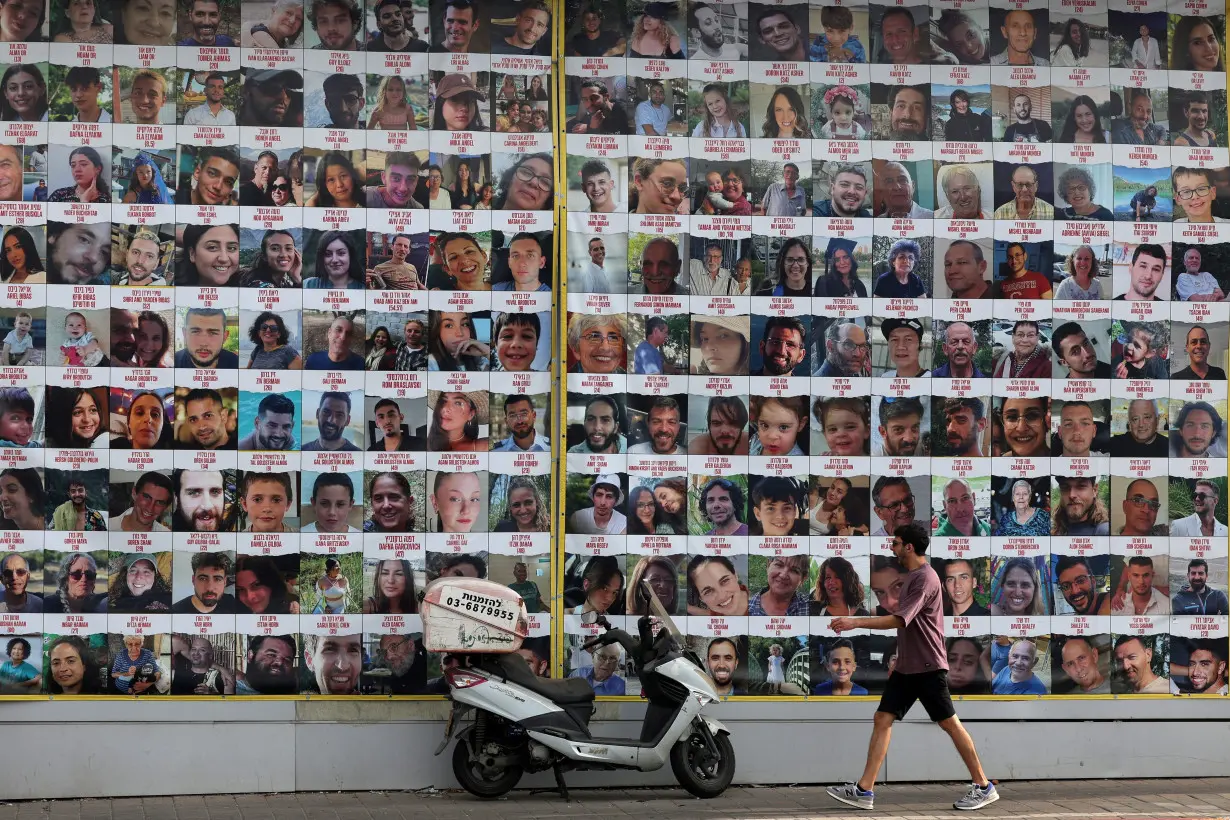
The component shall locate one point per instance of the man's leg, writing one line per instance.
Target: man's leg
(965, 748)
(877, 750)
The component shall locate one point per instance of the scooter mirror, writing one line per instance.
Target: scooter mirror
(590, 617)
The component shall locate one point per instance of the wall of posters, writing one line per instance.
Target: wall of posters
(280, 340)
(833, 269)
(277, 338)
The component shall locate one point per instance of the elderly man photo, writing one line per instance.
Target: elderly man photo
(895, 193)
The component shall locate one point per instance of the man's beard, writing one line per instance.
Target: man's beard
(607, 443)
(963, 445)
(124, 351)
(269, 683)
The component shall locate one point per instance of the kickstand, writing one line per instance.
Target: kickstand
(559, 782)
(559, 785)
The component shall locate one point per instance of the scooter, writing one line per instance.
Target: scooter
(509, 721)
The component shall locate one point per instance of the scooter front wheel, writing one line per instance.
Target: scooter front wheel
(700, 771)
(478, 776)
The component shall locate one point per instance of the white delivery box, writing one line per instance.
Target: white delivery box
(472, 615)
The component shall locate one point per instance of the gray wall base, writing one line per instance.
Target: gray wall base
(122, 748)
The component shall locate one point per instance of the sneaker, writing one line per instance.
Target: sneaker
(852, 795)
(977, 797)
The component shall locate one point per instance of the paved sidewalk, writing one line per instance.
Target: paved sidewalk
(1040, 800)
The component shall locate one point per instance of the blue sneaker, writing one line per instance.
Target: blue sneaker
(852, 795)
(977, 797)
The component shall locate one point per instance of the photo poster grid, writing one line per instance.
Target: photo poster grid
(833, 269)
(277, 336)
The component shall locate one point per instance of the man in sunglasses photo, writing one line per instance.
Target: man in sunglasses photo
(1201, 523)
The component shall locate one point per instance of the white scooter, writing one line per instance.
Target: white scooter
(509, 721)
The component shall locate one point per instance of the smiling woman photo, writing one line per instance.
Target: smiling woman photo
(526, 509)
(392, 503)
(25, 93)
(1020, 593)
(137, 585)
(714, 587)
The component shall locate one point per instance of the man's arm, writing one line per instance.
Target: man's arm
(875, 622)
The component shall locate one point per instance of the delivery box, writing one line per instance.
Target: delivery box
(472, 615)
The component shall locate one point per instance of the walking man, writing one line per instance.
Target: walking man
(921, 674)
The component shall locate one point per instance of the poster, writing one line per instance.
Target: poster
(835, 268)
(278, 339)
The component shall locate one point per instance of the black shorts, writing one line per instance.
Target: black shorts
(929, 687)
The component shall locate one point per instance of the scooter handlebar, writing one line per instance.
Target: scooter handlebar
(630, 644)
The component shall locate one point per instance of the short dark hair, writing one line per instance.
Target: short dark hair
(344, 397)
(332, 480)
(80, 75)
(897, 89)
(1197, 562)
(513, 398)
(1062, 332)
(913, 535)
(158, 480)
(1140, 561)
(204, 155)
(778, 488)
(975, 406)
(787, 322)
(1067, 562)
(1123, 639)
(386, 403)
(275, 403)
(772, 11)
(592, 168)
(203, 394)
(215, 560)
(898, 408)
(1149, 249)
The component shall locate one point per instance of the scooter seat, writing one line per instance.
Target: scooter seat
(566, 691)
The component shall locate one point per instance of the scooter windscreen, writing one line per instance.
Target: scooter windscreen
(658, 611)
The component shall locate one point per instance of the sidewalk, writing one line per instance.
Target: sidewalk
(1038, 800)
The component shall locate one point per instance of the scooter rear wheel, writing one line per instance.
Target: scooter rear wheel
(477, 779)
(696, 768)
